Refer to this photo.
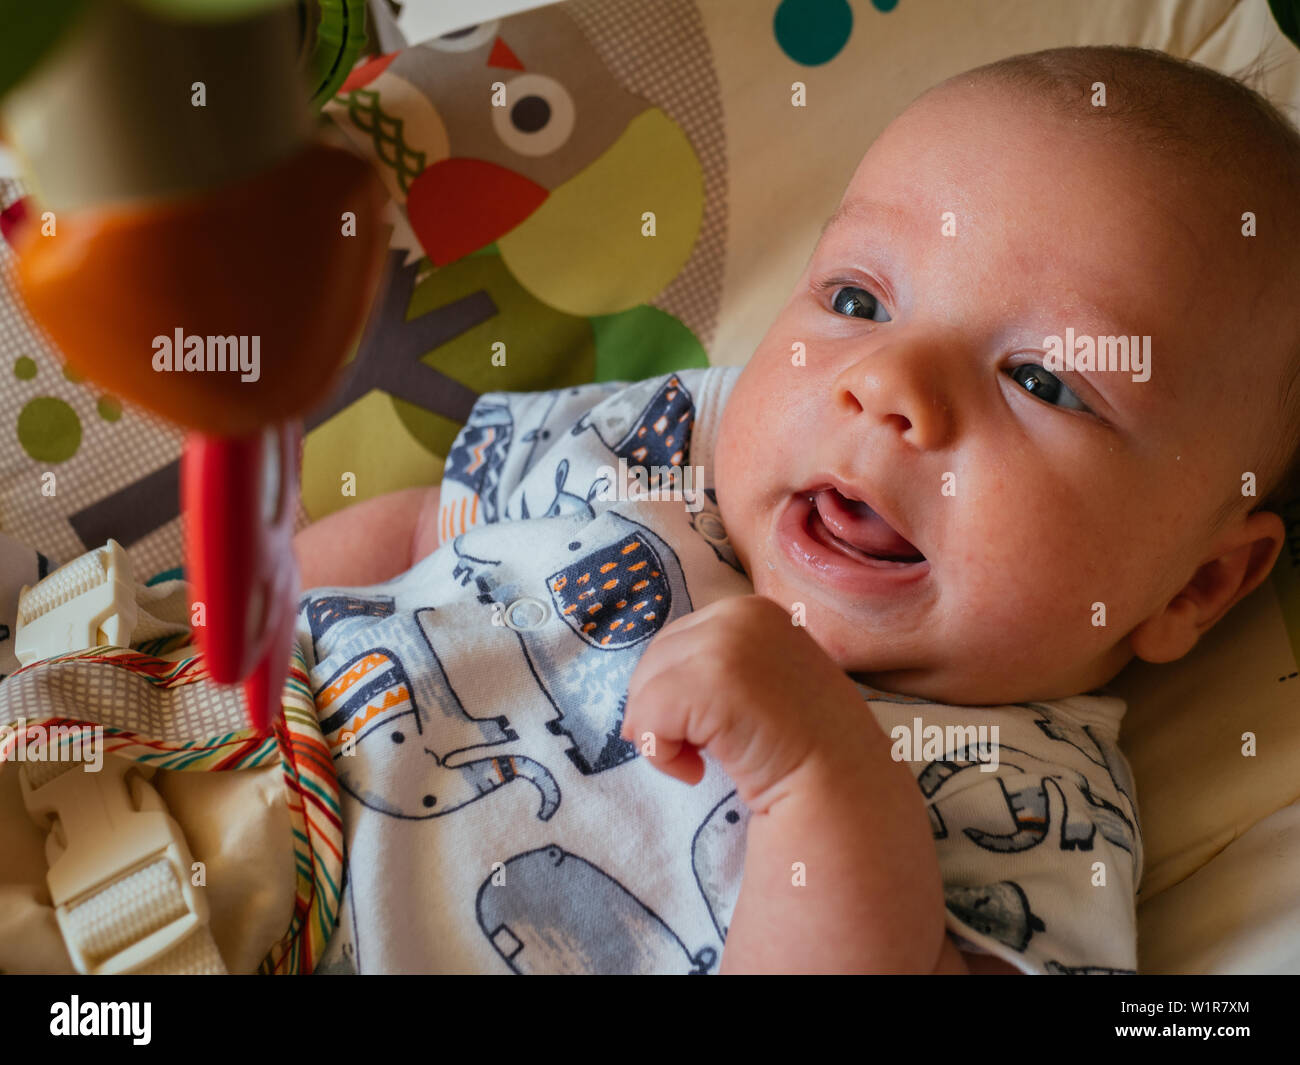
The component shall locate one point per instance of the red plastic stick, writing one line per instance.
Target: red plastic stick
(239, 496)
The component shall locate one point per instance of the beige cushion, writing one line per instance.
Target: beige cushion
(236, 823)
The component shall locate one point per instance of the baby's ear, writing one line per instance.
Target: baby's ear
(1242, 557)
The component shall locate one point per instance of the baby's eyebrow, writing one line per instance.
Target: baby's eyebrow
(863, 211)
(838, 215)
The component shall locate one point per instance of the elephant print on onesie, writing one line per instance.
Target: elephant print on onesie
(648, 424)
(504, 440)
(395, 725)
(718, 859)
(612, 584)
(999, 910)
(1040, 793)
(1030, 808)
(547, 911)
(472, 474)
(1085, 741)
(565, 502)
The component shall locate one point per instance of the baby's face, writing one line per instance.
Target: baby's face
(1037, 499)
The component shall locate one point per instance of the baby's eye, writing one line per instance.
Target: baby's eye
(1044, 384)
(859, 304)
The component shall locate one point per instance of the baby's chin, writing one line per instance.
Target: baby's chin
(869, 655)
(957, 687)
(856, 646)
(874, 661)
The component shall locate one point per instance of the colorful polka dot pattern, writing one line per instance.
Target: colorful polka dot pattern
(48, 428)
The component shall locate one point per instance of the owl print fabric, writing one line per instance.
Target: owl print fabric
(494, 819)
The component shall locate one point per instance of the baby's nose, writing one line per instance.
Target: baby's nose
(902, 388)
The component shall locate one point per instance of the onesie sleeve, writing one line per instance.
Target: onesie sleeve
(1037, 835)
(506, 435)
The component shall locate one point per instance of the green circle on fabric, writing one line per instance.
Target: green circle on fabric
(644, 342)
(49, 430)
(812, 32)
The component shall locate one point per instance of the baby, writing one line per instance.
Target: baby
(923, 527)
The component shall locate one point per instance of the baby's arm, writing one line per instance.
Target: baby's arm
(869, 900)
(841, 871)
(370, 542)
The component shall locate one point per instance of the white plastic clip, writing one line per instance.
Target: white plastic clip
(87, 603)
(103, 830)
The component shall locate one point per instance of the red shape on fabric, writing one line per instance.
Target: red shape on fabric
(12, 217)
(502, 56)
(367, 72)
(457, 206)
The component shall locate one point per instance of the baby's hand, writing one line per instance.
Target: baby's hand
(758, 692)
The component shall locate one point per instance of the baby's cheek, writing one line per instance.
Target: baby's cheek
(1057, 610)
(1008, 587)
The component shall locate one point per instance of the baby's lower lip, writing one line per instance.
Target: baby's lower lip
(813, 549)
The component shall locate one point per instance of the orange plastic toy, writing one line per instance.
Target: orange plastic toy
(263, 259)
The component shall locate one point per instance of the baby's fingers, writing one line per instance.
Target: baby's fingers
(678, 759)
(671, 723)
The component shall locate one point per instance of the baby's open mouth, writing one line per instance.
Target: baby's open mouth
(852, 527)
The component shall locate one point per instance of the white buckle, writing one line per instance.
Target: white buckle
(98, 835)
(87, 603)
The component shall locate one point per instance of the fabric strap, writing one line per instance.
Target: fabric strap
(168, 714)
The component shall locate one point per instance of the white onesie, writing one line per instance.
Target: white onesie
(494, 819)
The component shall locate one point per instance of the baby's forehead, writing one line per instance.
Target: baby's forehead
(986, 157)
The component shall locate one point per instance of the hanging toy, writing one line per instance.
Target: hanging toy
(193, 244)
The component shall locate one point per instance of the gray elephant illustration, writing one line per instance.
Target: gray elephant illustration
(345, 628)
(549, 911)
(1029, 805)
(1098, 815)
(718, 859)
(333, 617)
(1091, 747)
(936, 774)
(1000, 911)
(1031, 810)
(394, 725)
(649, 423)
(565, 502)
(473, 470)
(612, 585)
(1030, 813)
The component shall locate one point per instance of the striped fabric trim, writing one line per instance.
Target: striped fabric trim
(156, 670)
(235, 750)
(311, 786)
(317, 827)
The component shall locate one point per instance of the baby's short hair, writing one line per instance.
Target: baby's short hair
(1179, 107)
